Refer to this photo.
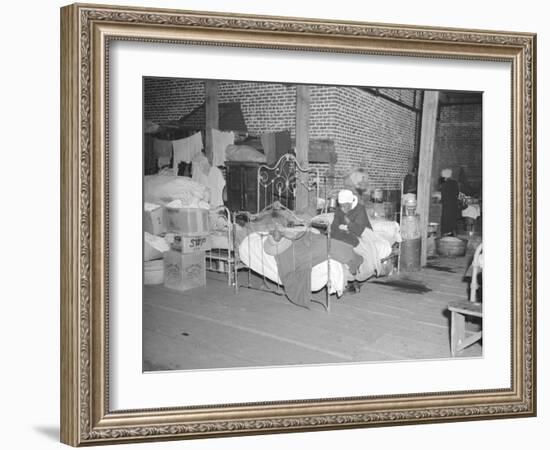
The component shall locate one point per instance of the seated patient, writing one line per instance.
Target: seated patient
(350, 219)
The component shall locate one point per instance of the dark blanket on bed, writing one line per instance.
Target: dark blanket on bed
(308, 250)
(294, 267)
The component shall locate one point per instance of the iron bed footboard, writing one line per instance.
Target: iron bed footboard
(245, 218)
(222, 260)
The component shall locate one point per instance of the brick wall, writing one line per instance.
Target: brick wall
(406, 96)
(459, 142)
(375, 134)
(368, 131)
(266, 107)
(170, 98)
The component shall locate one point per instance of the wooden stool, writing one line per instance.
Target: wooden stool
(459, 338)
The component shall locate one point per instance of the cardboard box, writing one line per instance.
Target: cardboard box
(191, 243)
(150, 253)
(154, 247)
(184, 271)
(186, 220)
(153, 272)
(153, 219)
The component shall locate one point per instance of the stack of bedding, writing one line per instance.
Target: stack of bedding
(163, 189)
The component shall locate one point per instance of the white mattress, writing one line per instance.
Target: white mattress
(252, 254)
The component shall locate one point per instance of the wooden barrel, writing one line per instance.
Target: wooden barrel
(410, 255)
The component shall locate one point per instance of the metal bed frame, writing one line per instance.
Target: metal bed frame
(266, 284)
(281, 182)
(277, 189)
(223, 260)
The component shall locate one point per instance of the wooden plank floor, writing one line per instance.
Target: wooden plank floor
(394, 318)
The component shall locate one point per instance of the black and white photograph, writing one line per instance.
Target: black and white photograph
(261, 225)
(290, 224)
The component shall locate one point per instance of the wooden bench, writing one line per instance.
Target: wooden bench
(460, 339)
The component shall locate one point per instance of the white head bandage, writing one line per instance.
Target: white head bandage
(346, 196)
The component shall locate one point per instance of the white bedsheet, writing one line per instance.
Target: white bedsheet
(252, 254)
(387, 229)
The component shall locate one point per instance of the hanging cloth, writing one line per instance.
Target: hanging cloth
(186, 149)
(220, 140)
(163, 161)
(216, 183)
(200, 169)
(162, 148)
(268, 144)
(283, 144)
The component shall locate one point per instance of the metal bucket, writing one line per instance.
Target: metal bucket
(451, 247)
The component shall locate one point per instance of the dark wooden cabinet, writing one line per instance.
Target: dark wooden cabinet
(242, 186)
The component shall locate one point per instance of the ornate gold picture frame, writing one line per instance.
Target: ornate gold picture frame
(87, 31)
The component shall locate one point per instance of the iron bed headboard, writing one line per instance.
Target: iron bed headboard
(281, 183)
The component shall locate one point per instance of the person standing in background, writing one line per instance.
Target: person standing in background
(410, 182)
(449, 203)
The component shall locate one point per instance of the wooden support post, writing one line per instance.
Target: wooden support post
(212, 115)
(302, 140)
(426, 152)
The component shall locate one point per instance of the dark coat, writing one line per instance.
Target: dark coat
(449, 206)
(410, 184)
(356, 220)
